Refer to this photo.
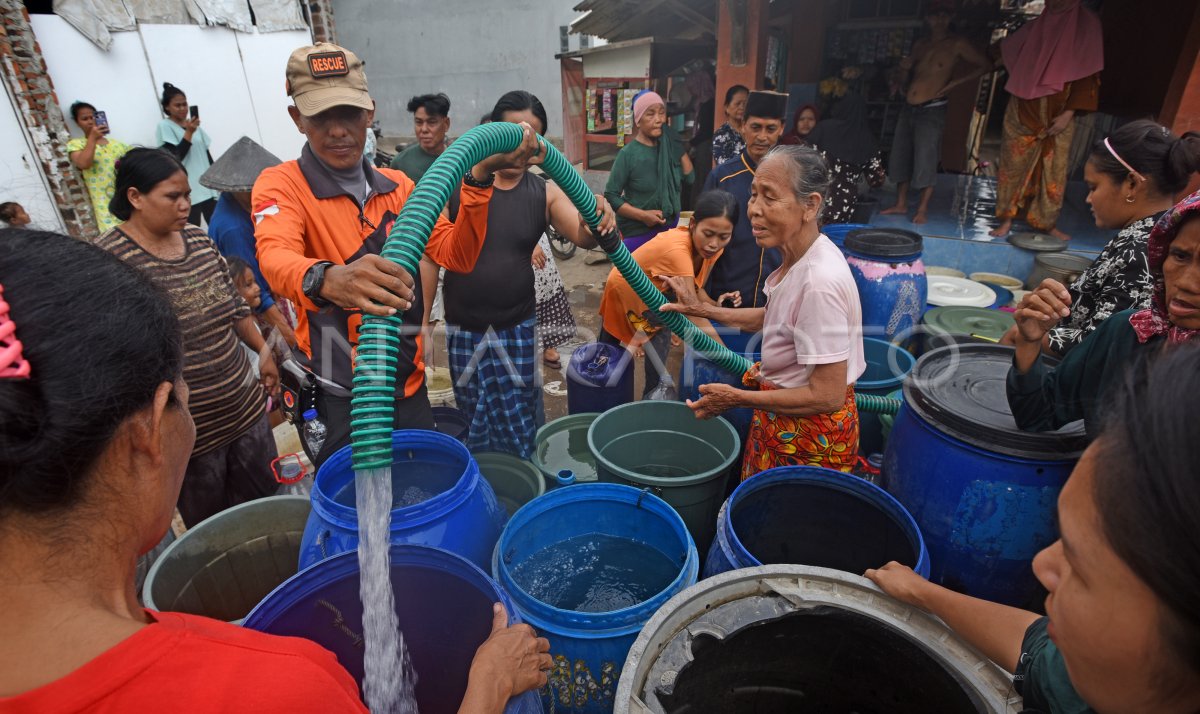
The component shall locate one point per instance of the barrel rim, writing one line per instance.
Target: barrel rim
(562, 423)
(525, 466)
(856, 245)
(836, 480)
(597, 624)
(1063, 261)
(662, 481)
(873, 385)
(1040, 446)
(825, 587)
(237, 511)
(344, 565)
(406, 517)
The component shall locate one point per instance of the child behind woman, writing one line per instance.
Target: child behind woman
(243, 279)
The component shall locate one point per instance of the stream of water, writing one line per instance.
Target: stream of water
(389, 682)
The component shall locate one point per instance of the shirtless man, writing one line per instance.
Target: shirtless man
(916, 148)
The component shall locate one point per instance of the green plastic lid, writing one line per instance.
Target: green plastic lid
(958, 320)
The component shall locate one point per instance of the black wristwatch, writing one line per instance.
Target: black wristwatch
(470, 180)
(314, 280)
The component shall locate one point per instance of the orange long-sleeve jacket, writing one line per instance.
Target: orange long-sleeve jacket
(303, 216)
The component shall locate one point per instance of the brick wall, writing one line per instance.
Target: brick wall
(320, 18)
(23, 70)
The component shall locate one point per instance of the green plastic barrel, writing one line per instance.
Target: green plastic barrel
(515, 480)
(562, 445)
(223, 566)
(662, 446)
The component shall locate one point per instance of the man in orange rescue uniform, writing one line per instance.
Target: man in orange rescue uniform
(321, 222)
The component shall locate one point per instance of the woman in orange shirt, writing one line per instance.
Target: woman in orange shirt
(690, 252)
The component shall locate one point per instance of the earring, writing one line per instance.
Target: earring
(1129, 199)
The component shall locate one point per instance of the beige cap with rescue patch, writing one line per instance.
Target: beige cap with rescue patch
(325, 75)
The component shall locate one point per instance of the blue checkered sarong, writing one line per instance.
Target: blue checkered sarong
(495, 386)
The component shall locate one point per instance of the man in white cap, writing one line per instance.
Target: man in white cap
(322, 220)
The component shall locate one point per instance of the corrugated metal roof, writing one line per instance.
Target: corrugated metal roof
(617, 20)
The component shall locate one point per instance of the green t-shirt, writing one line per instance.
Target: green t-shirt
(1048, 397)
(413, 161)
(634, 179)
(1041, 676)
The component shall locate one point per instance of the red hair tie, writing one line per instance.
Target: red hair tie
(12, 364)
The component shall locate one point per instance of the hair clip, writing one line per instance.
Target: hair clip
(12, 364)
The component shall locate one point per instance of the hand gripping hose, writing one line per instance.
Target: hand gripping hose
(373, 402)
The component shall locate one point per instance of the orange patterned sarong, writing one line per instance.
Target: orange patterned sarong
(827, 440)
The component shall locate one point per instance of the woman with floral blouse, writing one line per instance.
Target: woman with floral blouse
(1131, 177)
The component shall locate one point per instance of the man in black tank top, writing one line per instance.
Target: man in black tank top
(490, 312)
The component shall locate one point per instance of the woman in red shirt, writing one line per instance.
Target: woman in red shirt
(95, 440)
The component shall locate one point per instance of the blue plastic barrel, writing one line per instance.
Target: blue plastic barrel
(1004, 296)
(983, 492)
(837, 232)
(696, 370)
(806, 515)
(887, 366)
(887, 268)
(599, 377)
(462, 515)
(445, 608)
(452, 422)
(589, 647)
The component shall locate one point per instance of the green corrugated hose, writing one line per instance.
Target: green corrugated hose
(371, 414)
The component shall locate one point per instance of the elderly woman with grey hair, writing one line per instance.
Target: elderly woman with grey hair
(812, 349)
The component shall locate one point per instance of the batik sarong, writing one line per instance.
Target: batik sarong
(495, 385)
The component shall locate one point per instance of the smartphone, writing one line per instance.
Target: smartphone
(194, 111)
(101, 118)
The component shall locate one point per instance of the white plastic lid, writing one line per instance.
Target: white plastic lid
(946, 291)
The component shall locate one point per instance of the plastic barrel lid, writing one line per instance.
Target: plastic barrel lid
(1040, 242)
(958, 320)
(890, 243)
(960, 389)
(1004, 296)
(945, 291)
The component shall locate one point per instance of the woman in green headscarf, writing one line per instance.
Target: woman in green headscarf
(649, 174)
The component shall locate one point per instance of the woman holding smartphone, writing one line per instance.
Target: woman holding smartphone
(180, 133)
(95, 154)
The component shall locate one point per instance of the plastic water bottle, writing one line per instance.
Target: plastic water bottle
(664, 392)
(314, 432)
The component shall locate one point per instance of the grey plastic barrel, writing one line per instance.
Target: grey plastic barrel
(1063, 267)
(799, 638)
(223, 566)
(147, 559)
(515, 480)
